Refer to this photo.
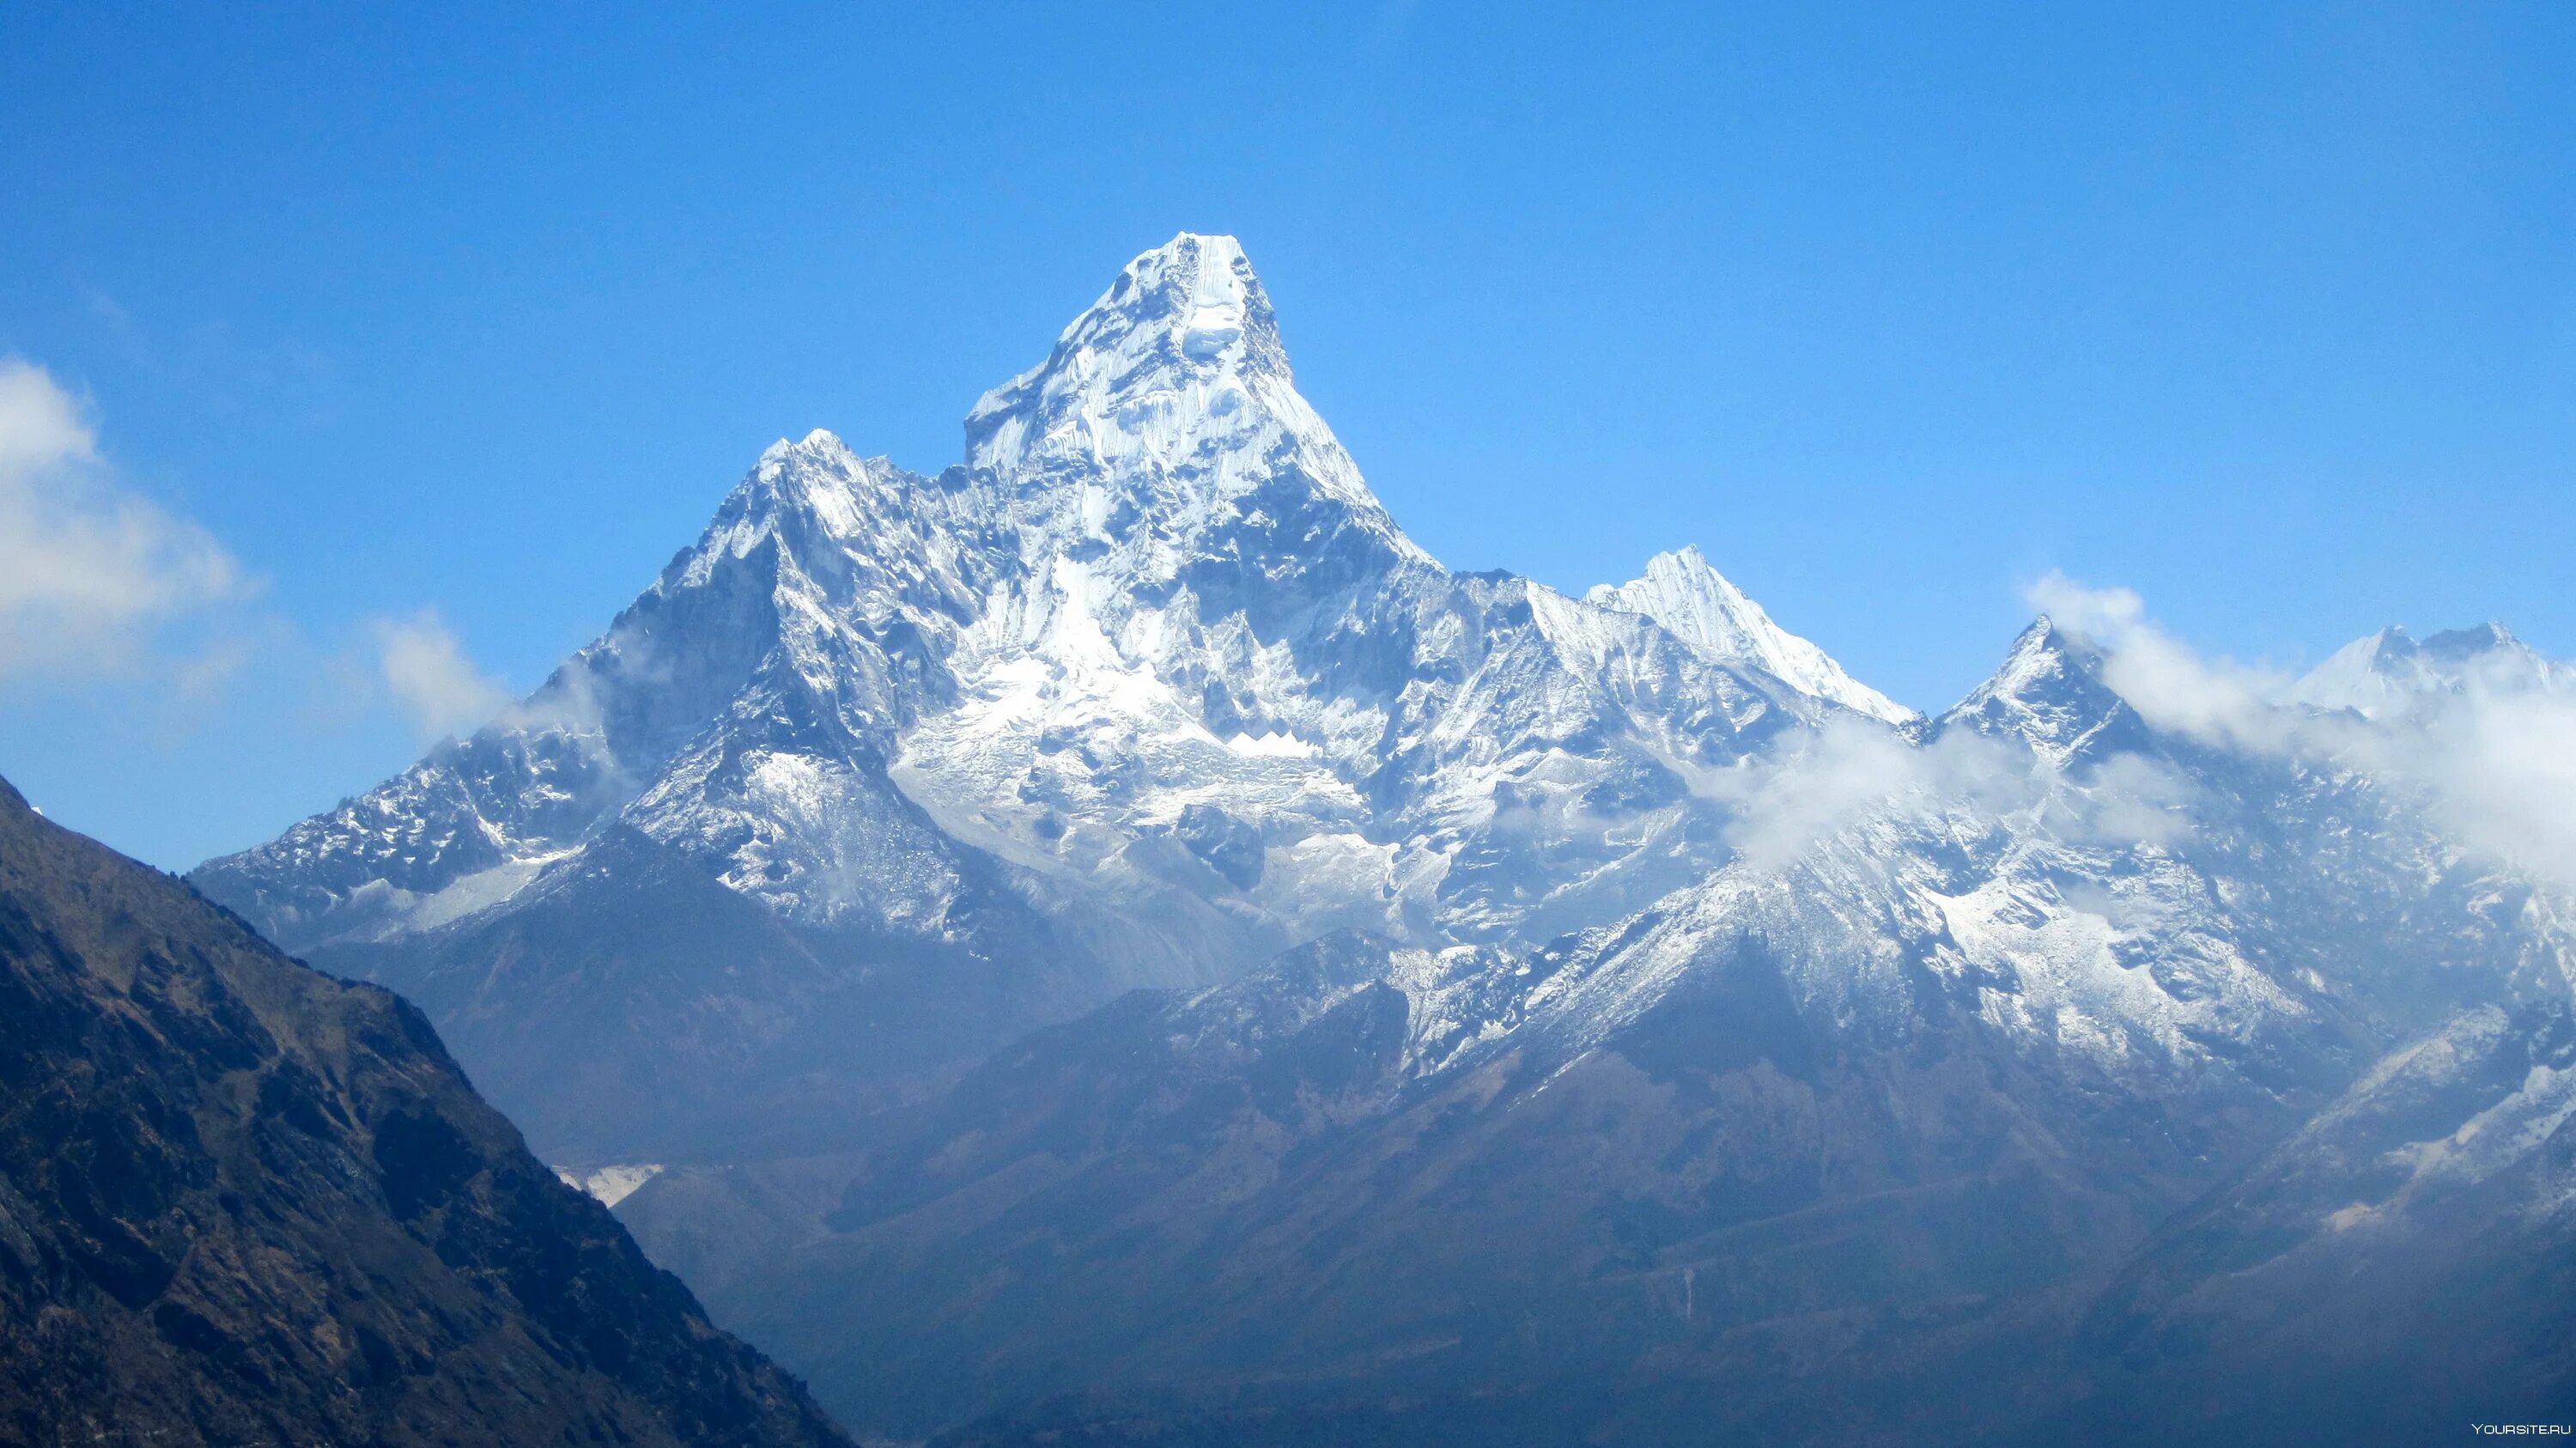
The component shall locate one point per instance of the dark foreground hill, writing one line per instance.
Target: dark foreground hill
(242, 1202)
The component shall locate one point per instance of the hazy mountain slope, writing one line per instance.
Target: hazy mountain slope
(1161, 1201)
(243, 1202)
(2399, 1266)
(1878, 1097)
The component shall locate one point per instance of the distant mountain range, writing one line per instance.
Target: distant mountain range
(1115, 940)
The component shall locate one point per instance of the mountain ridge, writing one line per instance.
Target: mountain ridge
(1966, 1078)
(1147, 689)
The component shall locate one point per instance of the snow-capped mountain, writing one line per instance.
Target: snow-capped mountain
(1541, 993)
(1145, 690)
(1684, 594)
(2392, 671)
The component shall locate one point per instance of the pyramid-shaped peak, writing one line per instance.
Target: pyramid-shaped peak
(1170, 400)
(1700, 606)
(2050, 694)
(1187, 317)
(2042, 650)
(1192, 306)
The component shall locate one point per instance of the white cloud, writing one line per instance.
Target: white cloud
(2494, 759)
(1850, 769)
(2172, 686)
(430, 677)
(2500, 768)
(90, 573)
(2130, 799)
(97, 581)
(40, 427)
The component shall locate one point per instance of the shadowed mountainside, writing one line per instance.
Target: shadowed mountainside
(242, 1202)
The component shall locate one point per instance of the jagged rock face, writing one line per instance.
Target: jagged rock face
(1146, 690)
(243, 1202)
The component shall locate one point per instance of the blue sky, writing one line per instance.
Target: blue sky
(2268, 312)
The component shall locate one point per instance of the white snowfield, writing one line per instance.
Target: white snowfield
(1156, 649)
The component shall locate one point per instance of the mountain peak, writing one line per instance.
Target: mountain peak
(1200, 295)
(1162, 409)
(1701, 607)
(2461, 643)
(2040, 656)
(1190, 309)
(821, 443)
(2049, 692)
(2392, 670)
(1208, 272)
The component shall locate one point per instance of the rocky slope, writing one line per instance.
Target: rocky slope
(241, 1202)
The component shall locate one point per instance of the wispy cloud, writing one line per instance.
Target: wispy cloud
(431, 680)
(2169, 683)
(1852, 768)
(99, 582)
(92, 574)
(2492, 759)
(2500, 767)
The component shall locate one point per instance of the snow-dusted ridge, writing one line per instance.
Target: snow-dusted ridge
(1686, 595)
(1603, 994)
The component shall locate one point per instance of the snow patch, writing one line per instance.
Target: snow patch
(610, 1185)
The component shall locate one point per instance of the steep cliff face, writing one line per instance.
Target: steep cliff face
(242, 1202)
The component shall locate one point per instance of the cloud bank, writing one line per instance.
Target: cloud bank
(2489, 750)
(2484, 751)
